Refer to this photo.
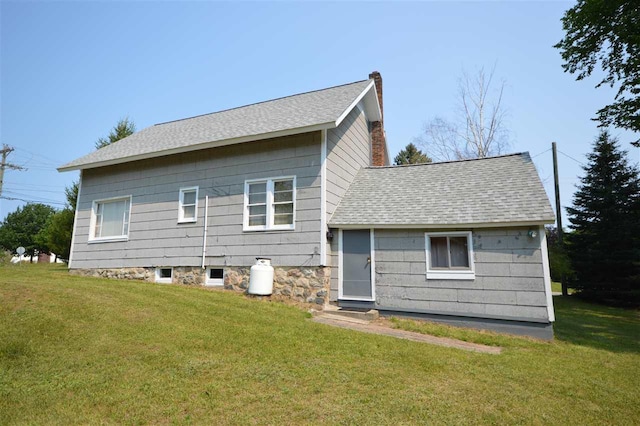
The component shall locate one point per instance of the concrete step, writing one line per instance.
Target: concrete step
(369, 315)
(331, 318)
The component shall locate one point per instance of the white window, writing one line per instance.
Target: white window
(110, 219)
(269, 203)
(449, 256)
(215, 276)
(188, 204)
(164, 275)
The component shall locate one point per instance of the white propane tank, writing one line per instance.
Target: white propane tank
(261, 277)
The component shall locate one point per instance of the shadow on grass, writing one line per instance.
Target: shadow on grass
(601, 327)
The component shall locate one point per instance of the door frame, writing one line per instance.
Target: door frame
(373, 266)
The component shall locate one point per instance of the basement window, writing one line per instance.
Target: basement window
(215, 277)
(164, 275)
(449, 256)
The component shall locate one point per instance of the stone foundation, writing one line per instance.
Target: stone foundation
(145, 274)
(307, 285)
(302, 284)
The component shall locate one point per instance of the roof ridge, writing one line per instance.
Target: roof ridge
(261, 102)
(449, 161)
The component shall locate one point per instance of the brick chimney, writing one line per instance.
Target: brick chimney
(378, 138)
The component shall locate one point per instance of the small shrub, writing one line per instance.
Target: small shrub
(5, 257)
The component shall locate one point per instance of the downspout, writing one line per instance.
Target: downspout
(204, 235)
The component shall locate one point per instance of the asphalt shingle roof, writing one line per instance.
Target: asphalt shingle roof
(501, 189)
(292, 112)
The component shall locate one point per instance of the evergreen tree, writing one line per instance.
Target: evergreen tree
(411, 155)
(71, 192)
(124, 128)
(604, 246)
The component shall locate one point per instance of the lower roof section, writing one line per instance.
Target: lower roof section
(487, 192)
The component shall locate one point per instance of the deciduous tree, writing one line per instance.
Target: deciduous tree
(23, 226)
(58, 231)
(478, 131)
(607, 32)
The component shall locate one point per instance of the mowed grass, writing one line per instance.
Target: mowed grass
(556, 287)
(80, 350)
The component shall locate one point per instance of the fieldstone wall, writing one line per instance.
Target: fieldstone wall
(181, 275)
(145, 274)
(189, 275)
(306, 285)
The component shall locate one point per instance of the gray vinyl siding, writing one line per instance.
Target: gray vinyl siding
(348, 150)
(157, 239)
(509, 279)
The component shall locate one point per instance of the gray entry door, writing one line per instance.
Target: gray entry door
(356, 265)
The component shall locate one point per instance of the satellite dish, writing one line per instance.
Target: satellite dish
(20, 250)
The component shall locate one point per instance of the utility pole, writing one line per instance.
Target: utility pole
(4, 152)
(565, 291)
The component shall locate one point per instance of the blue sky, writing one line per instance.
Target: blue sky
(71, 70)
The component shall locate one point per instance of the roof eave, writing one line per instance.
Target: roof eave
(441, 225)
(214, 144)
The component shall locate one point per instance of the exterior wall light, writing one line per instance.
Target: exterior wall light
(532, 233)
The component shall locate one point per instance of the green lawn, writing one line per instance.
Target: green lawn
(81, 350)
(556, 287)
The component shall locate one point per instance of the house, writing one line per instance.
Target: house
(461, 242)
(305, 180)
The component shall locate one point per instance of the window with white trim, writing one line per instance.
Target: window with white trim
(188, 208)
(449, 255)
(215, 276)
(164, 275)
(110, 219)
(269, 203)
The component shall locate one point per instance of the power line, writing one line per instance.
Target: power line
(34, 185)
(31, 190)
(37, 167)
(31, 201)
(543, 152)
(11, 191)
(570, 157)
(49, 160)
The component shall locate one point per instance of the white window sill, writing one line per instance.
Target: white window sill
(108, 240)
(187, 221)
(359, 299)
(261, 229)
(214, 283)
(164, 280)
(451, 275)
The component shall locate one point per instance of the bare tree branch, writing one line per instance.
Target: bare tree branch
(478, 130)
